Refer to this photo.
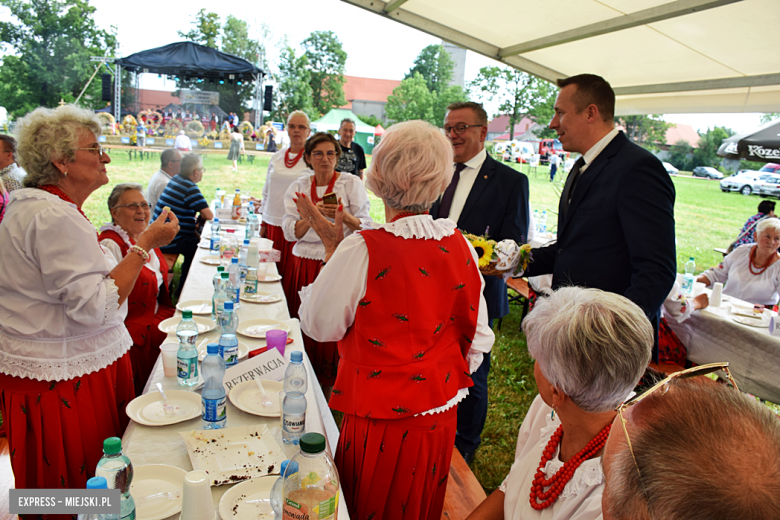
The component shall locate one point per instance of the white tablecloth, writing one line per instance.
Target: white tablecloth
(711, 335)
(163, 445)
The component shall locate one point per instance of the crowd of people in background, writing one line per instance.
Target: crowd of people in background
(397, 317)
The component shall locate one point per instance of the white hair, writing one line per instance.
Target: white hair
(592, 345)
(299, 113)
(48, 135)
(768, 224)
(411, 166)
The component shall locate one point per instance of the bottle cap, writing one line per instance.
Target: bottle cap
(228, 306)
(220, 268)
(97, 483)
(312, 443)
(112, 445)
(187, 315)
(283, 467)
(230, 231)
(216, 219)
(234, 260)
(246, 241)
(237, 190)
(225, 275)
(212, 348)
(296, 356)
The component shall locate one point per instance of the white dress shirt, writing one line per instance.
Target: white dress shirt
(328, 305)
(597, 148)
(157, 184)
(59, 312)
(467, 177)
(277, 180)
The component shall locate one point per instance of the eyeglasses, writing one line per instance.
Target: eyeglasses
(663, 386)
(319, 155)
(458, 129)
(100, 150)
(135, 205)
(297, 127)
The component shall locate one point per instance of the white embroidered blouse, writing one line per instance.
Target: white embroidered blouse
(59, 317)
(580, 499)
(734, 271)
(277, 180)
(328, 306)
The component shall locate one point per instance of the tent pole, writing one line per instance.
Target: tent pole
(258, 101)
(118, 93)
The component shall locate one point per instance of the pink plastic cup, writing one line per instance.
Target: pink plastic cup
(276, 339)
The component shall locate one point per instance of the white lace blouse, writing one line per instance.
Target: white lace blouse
(734, 272)
(328, 306)
(277, 180)
(59, 317)
(580, 499)
(354, 197)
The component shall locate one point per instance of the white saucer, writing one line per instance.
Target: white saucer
(151, 480)
(147, 409)
(249, 500)
(243, 350)
(196, 306)
(269, 278)
(261, 297)
(258, 327)
(211, 260)
(204, 324)
(246, 397)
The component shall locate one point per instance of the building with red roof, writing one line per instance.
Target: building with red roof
(368, 96)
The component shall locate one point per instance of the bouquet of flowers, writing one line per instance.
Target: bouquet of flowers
(513, 257)
(483, 246)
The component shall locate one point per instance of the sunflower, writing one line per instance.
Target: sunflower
(484, 250)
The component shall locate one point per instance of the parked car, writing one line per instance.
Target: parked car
(746, 183)
(707, 171)
(771, 186)
(670, 169)
(770, 168)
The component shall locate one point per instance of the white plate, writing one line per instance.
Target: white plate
(261, 297)
(257, 328)
(243, 350)
(196, 306)
(147, 409)
(234, 454)
(752, 322)
(205, 245)
(207, 236)
(250, 500)
(246, 397)
(151, 480)
(211, 260)
(269, 278)
(204, 324)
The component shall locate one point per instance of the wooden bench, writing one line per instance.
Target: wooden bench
(464, 492)
(523, 290)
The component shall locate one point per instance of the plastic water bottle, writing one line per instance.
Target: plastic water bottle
(543, 223)
(218, 277)
(213, 394)
(228, 245)
(235, 211)
(220, 197)
(294, 402)
(314, 484)
(101, 483)
(214, 241)
(234, 290)
(277, 492)
(690, 268)
(228, 343)
(220, 297)
(242, 255)
(117, 469)
(250, 282)
(536, 221)
(253, 225)
(187, 358)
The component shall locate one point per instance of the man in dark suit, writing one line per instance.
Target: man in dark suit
(484, 197)
(616, 213)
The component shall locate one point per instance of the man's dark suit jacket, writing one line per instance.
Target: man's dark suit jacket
(499, 201)
(618, 233)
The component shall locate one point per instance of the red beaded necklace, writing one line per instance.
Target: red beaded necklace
(289, 163)
(406, 214)
(544, 499)
(314, 198)
(751, 262)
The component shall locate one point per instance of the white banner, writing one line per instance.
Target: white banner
(199, 97)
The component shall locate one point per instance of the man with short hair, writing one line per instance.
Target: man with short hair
(616, 212)
(353, 158)
(554, 162)
(485, 197)
(766, 209)
(702, 450)
(170, 163)
(10, 172)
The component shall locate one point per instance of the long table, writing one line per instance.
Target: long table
(711, 335)
(163, 445)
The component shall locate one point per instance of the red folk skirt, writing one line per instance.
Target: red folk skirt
(670, 349)
(324, 357)
(56, 429)
(276, 235)
(396, 468)
(147, 339)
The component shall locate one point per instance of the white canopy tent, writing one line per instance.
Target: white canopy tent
(661, 57)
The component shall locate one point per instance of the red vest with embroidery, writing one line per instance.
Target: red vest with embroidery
(406, 351)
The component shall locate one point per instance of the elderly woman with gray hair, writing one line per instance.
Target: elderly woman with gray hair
(751, 272)
(65, 371)
(591, 348)
(405, 360)
(149, 302)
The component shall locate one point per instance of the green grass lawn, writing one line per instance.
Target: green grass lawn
(705, 218)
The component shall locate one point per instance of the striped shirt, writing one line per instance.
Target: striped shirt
(185, 200)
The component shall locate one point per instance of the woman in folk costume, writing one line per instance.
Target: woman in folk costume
(405, 360)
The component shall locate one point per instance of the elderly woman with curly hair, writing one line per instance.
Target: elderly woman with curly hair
(65, 371)
(405, 362)
(150, 302)
(591, 348)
